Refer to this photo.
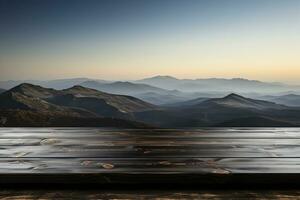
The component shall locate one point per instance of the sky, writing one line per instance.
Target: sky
(133, 39)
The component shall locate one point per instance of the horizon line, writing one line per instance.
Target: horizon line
(147, 77)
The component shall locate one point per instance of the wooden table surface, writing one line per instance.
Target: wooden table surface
(134, 156)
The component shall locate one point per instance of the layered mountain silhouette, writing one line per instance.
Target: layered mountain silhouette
(232, 110)
(33, 105)
(56, 84)
(237, 101)
(167, 82)
(160, 90)
(289, 99)
(123, 87)
(165, 98)
(217, 85)
(145, 92)
(188, 103)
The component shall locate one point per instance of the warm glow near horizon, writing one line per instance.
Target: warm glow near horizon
(113, 40)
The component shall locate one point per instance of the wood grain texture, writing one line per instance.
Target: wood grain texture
(158, 152)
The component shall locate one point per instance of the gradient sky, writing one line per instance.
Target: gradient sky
(131, 39)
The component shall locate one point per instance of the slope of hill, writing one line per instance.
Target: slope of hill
(127, 88)
(31, 97)
(151, 94)
(67, 83)
(2, 90)
(24, 118)
(188, 103)
(237, 101)
(162, 99)
(123, 103)
(289, 99)
(166, 82)
(71, 105)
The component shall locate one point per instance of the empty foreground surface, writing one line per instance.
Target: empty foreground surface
(91, 156)
(94, 150)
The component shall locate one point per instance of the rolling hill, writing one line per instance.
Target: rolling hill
(73, 104)
(126, 88)
(187, 103)
(163, 98)
(289, 99)
(151, 94)
(166, 82)
(32, 105)
(232, 110)
(237, 101)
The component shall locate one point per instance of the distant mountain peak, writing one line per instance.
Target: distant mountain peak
(234, 96)
(77, 87)
(122, 83)
(163, 77)
(238, 101)
(232, 99)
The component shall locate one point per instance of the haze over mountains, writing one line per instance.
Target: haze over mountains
(55, 84)
(33, 105)
(145, 92)
(289, 99)
(217, 85)
(232, 110)
(162, 90)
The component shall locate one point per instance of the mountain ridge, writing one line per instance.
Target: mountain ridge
(231, 109)
(235, 100)
(34, 105)
(288, 99)
(122, 87)
(70, 104)
(217, 84)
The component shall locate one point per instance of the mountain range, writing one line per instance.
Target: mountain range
(55, 84)
(33, 105)
(162, 90)
(237, 85)
(231, 110)
(123, 87)
(145, 92)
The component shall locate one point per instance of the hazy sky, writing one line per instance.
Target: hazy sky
(130, 39)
